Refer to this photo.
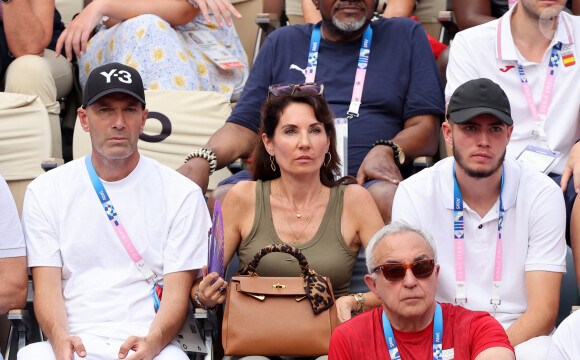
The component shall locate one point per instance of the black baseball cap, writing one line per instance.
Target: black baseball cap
(112, 78)
(476, 97)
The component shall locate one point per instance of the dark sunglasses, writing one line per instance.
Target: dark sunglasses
(396, 272)
(289, 89)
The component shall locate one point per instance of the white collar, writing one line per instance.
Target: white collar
(512, 173)
(506, 48)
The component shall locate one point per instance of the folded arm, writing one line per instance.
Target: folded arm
(14, 283)
(51, 313)
(469, 13)
(229, 143)
(496, 353)
(418, 138)
(175, 12)
(168, 320)
(28, 25)
(543, 294)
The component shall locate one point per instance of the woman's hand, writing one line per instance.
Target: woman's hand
(345, 305)
(77, 34)
(212, 294)
(221, 9)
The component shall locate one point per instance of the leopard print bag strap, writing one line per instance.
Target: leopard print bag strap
(316, 287)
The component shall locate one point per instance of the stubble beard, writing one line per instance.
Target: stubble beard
(547, 15)
(478, 174)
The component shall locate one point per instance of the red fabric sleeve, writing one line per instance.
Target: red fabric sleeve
(486, 332)
(339, 349)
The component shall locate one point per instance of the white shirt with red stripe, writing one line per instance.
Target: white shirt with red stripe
(488, 51)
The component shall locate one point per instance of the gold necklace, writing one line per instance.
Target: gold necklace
(297, 238)
(283, 194)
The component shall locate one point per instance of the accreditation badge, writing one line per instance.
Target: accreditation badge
(448, 354)
(211, 48)
(539, 158)
(341, 127)
(568, 56)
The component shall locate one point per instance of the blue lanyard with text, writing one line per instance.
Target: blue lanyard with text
(361, 69)
(459, 233)
(149, 275)
(437, 336)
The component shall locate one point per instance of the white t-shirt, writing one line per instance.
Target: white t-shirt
(11, 238)
(476, 53)
(65, 226)
(533, 233)
(566, 340)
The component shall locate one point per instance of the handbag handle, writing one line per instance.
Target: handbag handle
(250, 269)
(316, 287)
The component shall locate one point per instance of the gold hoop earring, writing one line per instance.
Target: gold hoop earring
(272, 165)
(329, 158)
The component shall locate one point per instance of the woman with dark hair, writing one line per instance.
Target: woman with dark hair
(295, 199)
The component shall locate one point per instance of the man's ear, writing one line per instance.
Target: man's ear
(509, 132)
(82, 113)
(371, 283)
(143, 120)
(446, 127)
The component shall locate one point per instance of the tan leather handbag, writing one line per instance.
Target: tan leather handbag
(278, 316)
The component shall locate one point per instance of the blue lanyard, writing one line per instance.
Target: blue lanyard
(459, 233)
(150, 276)
(437, 336)
(363, 60)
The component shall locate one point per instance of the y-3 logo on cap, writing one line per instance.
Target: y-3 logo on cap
(123, 76)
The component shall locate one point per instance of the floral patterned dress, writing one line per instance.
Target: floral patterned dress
(168, 57)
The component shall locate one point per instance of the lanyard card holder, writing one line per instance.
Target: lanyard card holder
(539, 158)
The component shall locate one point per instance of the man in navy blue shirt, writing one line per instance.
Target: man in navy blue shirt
(402, 97)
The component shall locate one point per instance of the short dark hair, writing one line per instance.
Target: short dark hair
(272, 110)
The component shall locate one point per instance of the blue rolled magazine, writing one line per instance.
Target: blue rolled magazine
(215, 261)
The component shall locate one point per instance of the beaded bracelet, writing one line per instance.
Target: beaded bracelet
(211, 309)
(205, 154)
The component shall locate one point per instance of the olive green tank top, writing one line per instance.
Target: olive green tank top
(327, 252)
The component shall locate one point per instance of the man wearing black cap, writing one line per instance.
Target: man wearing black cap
(498, 225)
(106, 235)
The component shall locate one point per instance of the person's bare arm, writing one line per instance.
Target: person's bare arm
(14, 283)
(543, 294)
(168, 320)
(496, 353)
(399, 8)
(575, 239)
(310, 12)
(361, 216)
(469, 13)
(175, 12)
(28, 25)
(229, 143)
(236, 214)
(576, 7)
(419, 137)
(51, 313)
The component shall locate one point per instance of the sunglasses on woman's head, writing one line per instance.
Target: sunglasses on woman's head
(289, 89)
(396, 272)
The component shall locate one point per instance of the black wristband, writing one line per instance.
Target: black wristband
(396, 150)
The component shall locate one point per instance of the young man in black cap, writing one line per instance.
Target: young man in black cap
(106, 234)
(500, 225)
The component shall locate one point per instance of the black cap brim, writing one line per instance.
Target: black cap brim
(111, 91)
(461, 116)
